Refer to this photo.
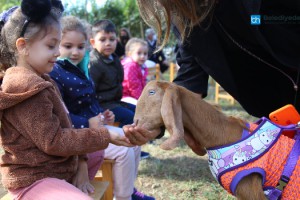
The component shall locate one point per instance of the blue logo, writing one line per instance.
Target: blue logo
(255, 19)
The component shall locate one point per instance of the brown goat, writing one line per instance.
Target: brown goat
(185, 113)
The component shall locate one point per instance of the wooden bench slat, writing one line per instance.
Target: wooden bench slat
(106, 174)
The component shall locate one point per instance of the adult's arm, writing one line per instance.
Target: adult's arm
(191, 75)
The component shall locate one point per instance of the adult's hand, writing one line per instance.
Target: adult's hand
(139, 135)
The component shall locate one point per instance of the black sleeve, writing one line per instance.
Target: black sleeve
(190, 74)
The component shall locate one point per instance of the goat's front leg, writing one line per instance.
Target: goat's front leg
(250, 188)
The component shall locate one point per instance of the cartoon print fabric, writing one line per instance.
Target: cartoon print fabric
(251, 147)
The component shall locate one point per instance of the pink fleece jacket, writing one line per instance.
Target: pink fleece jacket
(134, 79)
(36, 132)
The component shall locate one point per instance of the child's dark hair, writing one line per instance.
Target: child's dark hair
(103, 25)
(72, 23)
(33, 18)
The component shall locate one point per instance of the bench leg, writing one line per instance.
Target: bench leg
(107, 176)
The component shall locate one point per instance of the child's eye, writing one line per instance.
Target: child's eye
(112, 39)
(81, 47)
(67, 46)
(51, 46)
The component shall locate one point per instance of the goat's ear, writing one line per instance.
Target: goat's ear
(171, 113)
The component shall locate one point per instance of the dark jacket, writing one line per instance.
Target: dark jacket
(158, 57)
(220, 52)
(36, 132)
(78, 93)
(108, 77)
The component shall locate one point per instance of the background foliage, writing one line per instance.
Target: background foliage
(5, 4)
(123, 13)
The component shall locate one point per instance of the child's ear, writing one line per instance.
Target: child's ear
(92, 42)
(21, 45)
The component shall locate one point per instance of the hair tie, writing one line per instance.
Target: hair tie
(37, 10)
(58, 5)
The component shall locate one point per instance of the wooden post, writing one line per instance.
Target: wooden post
(172, 71)
(157, 74)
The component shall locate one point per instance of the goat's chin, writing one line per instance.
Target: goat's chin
(154, 132)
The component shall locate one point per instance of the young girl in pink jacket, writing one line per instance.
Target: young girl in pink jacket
(135, 71)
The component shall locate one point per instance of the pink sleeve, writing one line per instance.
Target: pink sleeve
(135, 80)
(145, 77)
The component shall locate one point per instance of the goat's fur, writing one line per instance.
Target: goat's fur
(186, 115)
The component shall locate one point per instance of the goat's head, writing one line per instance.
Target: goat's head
(159, 105)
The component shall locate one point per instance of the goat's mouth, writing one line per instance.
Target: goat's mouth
(162, 132)
(157, 132)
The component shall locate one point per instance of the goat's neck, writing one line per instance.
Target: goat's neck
(209, 126)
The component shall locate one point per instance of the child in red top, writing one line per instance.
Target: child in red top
(135, 71)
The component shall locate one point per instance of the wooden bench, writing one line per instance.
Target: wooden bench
(105, 174)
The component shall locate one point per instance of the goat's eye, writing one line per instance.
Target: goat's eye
(151, 92)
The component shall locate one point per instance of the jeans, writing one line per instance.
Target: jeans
(124, 113)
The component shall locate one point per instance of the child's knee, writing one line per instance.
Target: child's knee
(126, 154)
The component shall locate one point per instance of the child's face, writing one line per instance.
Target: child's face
(139, 54)
(105, 43)
(72, 46)
(41, 53)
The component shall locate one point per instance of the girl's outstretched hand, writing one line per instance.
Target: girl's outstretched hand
(109, 117)
(96, 121)
(119, 140)
(139, 135)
